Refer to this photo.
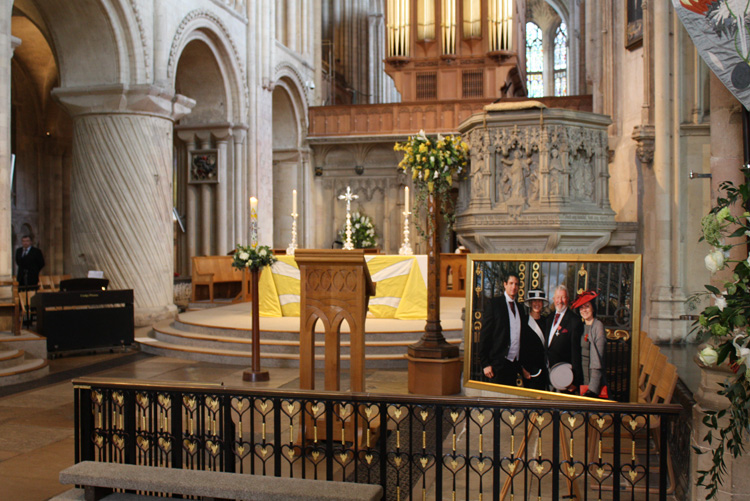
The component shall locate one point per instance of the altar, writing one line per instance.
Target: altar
(401, 290)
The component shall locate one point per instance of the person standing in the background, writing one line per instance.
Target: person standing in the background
(30, 261)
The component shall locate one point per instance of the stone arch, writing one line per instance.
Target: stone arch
(212, 91)
(290, 79)
(287, 140)
(206, 26)
(113, 41)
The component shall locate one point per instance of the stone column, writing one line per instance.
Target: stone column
(222, 194)
(726, 155)
(659, 265)
(7, 44)
(736, 482)
(121, 189)
(240, 187)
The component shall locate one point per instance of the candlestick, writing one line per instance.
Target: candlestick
(405, 249)
(253, 222)
(348, 196)
(293, 244)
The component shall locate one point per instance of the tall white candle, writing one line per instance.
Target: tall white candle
(294, 201)
(253, 207)
(406, 199)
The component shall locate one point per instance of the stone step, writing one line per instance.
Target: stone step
(269, 359)
(270, 342)
(28, 370)
(33, 344)
(11, 358)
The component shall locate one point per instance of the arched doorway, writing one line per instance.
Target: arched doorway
(209, 174)
(41, 140)
(286, 164)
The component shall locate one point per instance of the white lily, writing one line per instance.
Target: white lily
(743, 352)
(720, 301)
(708, 356)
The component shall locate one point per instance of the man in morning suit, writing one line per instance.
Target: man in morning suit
(30, 261)
(563, 332)
(500, 337)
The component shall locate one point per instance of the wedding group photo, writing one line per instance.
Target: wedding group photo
(374, 249)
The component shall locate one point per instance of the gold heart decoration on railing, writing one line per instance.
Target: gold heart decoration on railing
(118, 397)
(190, 445)
(164, 400)
(212, 403)
(212, 446)
(97, 397)
(165, 444)
(143, 443)
(142, 399)
(99, 440)
(189, 402)
(118, 440)
(480, 465)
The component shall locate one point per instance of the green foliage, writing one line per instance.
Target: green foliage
(245, 256)
(434, 164)
(725, 326)
(363, 232)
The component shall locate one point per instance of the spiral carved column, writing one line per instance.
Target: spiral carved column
(121, 193)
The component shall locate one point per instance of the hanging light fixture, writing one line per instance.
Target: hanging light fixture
(398, 28)
(501, 25)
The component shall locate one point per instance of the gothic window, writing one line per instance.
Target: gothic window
(534, 61)
(561, 60)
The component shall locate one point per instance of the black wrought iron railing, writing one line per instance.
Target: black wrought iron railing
(415, 447)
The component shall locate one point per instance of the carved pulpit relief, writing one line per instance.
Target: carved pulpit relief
(557, 175)
(513, 182)
(479, 172)
(547, 183)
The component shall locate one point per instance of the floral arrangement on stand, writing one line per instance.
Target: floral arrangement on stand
(245, 256)
(363, 232)
(434, 165)
(725, 329)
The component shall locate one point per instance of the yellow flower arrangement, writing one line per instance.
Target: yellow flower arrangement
(434, 164)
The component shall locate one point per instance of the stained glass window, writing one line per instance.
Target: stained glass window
(561, 60)
(534, 61)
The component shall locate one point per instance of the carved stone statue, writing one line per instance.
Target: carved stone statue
(556, 173)
(514, 178)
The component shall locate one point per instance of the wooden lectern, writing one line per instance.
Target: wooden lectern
(335, 285)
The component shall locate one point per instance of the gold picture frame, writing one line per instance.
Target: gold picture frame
(617, 279)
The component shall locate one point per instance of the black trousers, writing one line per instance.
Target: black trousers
(508, 373)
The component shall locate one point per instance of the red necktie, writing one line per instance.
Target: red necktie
(557, 317)
(512, 307)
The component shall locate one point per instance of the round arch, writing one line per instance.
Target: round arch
(113, 41)
(206, 27)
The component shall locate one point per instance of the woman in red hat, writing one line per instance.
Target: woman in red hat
(593, 344)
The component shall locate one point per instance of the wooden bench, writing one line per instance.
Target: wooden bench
(214, 278)
(10, 314)
(100, 479)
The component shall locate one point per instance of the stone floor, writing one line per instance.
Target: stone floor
(36, 420)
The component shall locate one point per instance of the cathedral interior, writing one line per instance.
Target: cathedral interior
(134, 132)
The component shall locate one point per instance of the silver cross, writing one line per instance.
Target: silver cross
(348, 196)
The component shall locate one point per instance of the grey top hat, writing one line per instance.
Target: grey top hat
(536, 294)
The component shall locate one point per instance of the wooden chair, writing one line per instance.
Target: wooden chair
(46, 284)
(209, 271)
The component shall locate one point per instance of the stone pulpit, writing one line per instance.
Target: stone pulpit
(335, 286)
(538, 181)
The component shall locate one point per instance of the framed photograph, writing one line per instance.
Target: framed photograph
(595, 340)
(633, 24)
(204, 166)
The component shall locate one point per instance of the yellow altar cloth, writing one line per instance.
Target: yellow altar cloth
(401, 290)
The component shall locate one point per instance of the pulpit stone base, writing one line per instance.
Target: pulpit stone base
(431, 376)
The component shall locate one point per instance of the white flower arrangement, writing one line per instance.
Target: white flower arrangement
(254, 259)
(363, 232)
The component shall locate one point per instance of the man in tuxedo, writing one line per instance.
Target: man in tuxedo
(30, 261)
(500, 337)
(563, 333)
